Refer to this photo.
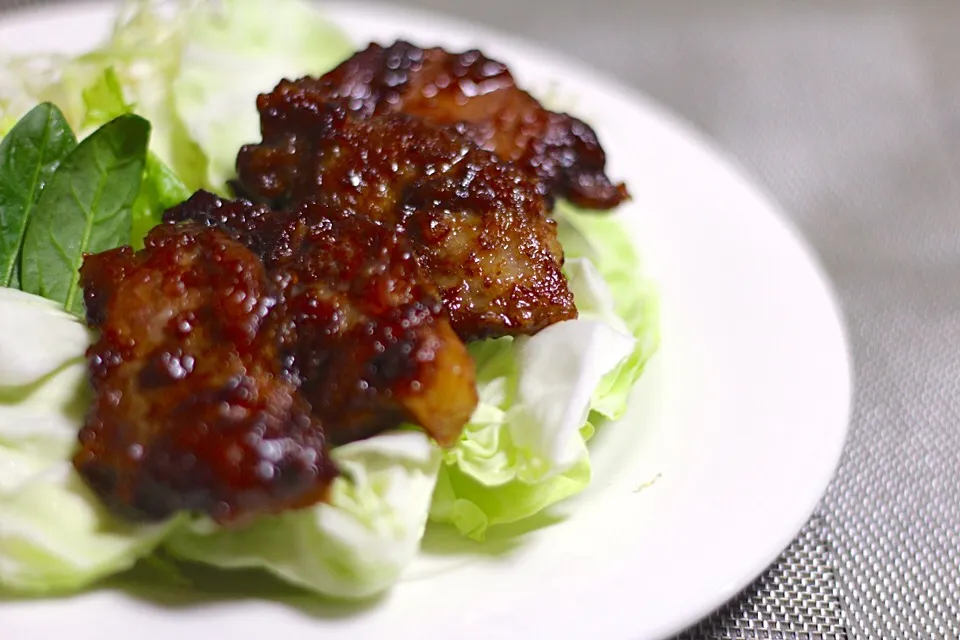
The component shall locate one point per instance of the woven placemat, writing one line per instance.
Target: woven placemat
(797, 599)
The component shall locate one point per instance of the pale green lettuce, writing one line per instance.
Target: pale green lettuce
(597, 247)
(353, 547)
(144, 53)
(525, 447)
(6, 123)
(200, 111)
(239, 53)
(54, 533)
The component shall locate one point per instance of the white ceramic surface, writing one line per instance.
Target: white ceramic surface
(736, 429)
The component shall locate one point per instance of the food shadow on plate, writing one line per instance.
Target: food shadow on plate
(184, 585)
(500, 540)
(167, 583)
(445, 550)
(175, 584)
(187, 585)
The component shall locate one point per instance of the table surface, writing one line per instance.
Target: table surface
(848, 113)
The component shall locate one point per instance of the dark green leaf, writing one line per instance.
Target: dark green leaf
(29, 155)
(161, 189)
(85, 208)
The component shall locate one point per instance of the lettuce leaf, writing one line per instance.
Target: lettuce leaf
(6, 124)
(238, 53)
(23, 365)
(597, 239)
(142, 57)
(54, 533)
(56, 536)
(353, 547)
(201, 111)
(525, 447)
(103, 100)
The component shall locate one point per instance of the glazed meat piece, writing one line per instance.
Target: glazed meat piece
(480, 97)
(479, 227)
(191, 408)
(361, 326)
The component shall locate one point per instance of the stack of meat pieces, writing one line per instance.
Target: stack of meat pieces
(396, 207)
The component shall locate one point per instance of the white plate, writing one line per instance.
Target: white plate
(740, 418)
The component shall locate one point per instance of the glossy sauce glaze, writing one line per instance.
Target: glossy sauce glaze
(479, 227)
(480, 98)
(192, 410)
(397, 206)
(359, 325)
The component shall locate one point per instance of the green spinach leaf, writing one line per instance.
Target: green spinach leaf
(29, 155)
(85, 208)
(161, 189)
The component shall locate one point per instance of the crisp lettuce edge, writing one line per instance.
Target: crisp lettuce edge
(472, 507)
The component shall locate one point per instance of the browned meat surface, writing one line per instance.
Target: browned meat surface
(410, 193)
(192, 410)
(360, 325)
(479, 227)
(480, 97)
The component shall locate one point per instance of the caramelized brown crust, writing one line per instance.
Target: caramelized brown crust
(191, 409)
(478, 225)
(480, 98)
(360, 325)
